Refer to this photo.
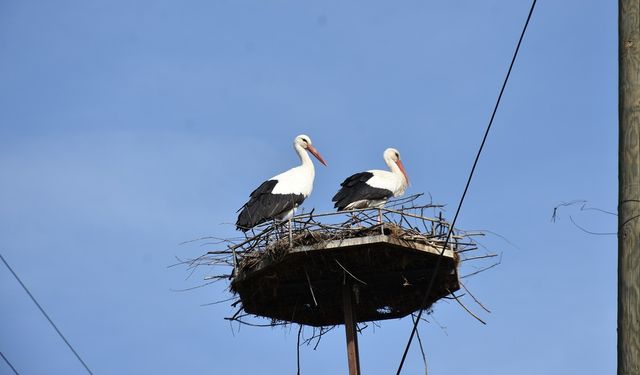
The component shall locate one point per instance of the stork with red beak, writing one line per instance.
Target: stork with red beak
(278, 197)
(373, 188)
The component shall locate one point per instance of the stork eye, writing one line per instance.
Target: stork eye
(397, 155)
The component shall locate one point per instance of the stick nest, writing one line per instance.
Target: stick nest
(270, 278)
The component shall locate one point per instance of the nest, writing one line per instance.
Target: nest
(393, 259)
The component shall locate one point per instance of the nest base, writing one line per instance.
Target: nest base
(389, 277)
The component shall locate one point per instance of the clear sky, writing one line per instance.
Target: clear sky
(127, 127)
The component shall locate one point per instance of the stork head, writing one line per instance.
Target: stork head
(303, 141)
(391, 155)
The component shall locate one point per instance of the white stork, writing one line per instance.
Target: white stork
(373, 188)
(278, 197)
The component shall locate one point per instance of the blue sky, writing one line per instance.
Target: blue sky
(129, 127)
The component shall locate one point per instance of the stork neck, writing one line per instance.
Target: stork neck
(395, 169)
(392, 166)
(304, 157)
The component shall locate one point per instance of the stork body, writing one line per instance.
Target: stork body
(373, 188)
(278, 197)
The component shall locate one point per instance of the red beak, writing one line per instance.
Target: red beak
(316, 154)
(399, 164)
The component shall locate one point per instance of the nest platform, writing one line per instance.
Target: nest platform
(388, 271)
(378, 261)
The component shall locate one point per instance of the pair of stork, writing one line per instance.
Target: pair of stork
(278, 197)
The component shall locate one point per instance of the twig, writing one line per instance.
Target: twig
(465, 307)
(474, 298)
(310, 287)
(347, 271)
(218, 302)
(240, 321)
(483, 269)
(479, 257)
(194, 287)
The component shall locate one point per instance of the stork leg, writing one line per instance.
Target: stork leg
(380, 221)
(290, 233)
(275, 222)
(354, 217)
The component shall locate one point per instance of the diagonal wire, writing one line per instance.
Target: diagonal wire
(9, 363)
(45, 315)
(464, 193)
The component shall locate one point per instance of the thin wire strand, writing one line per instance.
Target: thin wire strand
(9, 363)
(464, 193)
(45, 315)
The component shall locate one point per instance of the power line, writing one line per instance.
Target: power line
(9, 363)
(464, 193)
(45, 315)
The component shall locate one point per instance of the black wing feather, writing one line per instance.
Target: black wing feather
(263, 205)
(355, 188)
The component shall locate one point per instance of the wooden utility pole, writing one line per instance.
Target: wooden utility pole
(350, 330)
(629, 188)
